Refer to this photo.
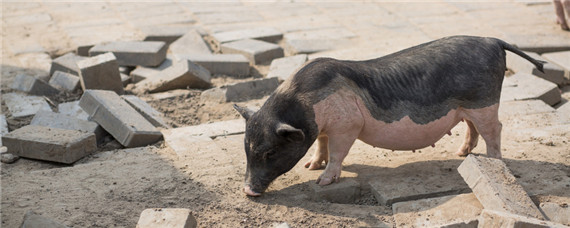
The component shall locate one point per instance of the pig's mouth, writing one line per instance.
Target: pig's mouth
(249, 191)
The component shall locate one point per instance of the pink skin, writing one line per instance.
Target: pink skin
(560, 7)
(342, 118)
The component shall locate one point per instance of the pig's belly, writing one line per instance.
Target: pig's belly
(405, 134)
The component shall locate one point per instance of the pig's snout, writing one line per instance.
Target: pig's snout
(248, 191)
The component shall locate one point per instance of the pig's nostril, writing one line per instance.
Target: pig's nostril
(247, 190)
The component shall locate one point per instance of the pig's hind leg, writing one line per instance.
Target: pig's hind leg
(321, 154)
(471, 139)
(486, 121)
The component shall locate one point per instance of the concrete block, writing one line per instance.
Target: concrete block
(447, 211)
(118, 118)
(72, 109)
(284, 67)
(241, 91)
(552, 72)
(212, 130)
(83, 50)
(125, 79)
(64, 81)
(496, 187)
(524, 107)
(167, 34)
(557, 212)
(50, 144)
(134, 53)
(66, 63)
(172, 94)
(32, 220)
(21, 105)
(100, 72)
(490, 218)
(148, 112)
(346, 191)
(271, 35)
(62, 121)
(141, 73)
(182, 74)
(32, 85)
(166, 218)
(226, 64)
(190, 43)
(521, 86)
(561, 59)
(255, 50)
(3, 126)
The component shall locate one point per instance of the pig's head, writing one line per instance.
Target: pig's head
(272, 147)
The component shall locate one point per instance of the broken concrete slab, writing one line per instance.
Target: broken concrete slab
(226, 64)
(21, 105)
(212, 130)
(134, 53)
(50, 144)
(561, 59)
(256, 51)
(100, 72)
(148, 112)
(496, 187)
(552, 72)
(557, 212)
(271, 35)
(283, 68)
(446, 211)
(64, 81)
(167, 218)
(66, 63)
(32, 220)
(191, 43)
(72, 109)
(241, 91)
(62, 121)
(118, 118)
(141, 73)
(32, 85)
(490, 218)
(346, 191)
(524, 107)
(182, 74)
(522, 86)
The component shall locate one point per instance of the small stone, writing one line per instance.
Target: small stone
(9, 158)
(167, 218)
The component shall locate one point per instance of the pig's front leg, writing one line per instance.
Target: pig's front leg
(321, 154)
(339, 145)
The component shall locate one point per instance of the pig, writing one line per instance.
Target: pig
(402, 101)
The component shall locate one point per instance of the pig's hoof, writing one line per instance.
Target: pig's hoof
(314, 165)
(326, 180)
(462, 153)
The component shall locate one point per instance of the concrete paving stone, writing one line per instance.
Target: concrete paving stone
(552, 72)
(447, 211)
(27, 19)
(241, 91)
(134, 53)
(321, 34)
(64, 81)
(311, 46)
(271, 35)
(285, 67)
(140, 73)
(496, 187)
(255, 50)
(557, 212)
(21, 105)
(149, 10)
(100, 72)
(32, 85)
(490, 218)
(172, 94)
(125, 79)
(148, 112)
(72, 109)
(3, 127)
(419, 183)
(39, 62)
(561, 59)
(525, 107)
(118, 118)
(522, 86)
(159, 20)
(166, 33)
(228, 17)
(62, 121)
(185, 145)
(50, 144)
(212, 130)
(226, 64)
(181, 75)
(191, 43)
(167, 218)
(83, 49)
(32, 220)
(66, 63)
(539, 43)
(346, 191)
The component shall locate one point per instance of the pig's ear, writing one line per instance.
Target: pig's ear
(244, 111)
(290, 133)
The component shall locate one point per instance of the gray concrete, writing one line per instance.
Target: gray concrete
(490, 218)
(125, 79)
(100, 72)
(167, 34)
(118, 118)
(134, 53)
(212, 130)
(141, 73)
(234, 65)
(21, 105)
(561, 59)
(557, 212)
(62, 121)
(64, 81)
(72, 109)
(50, 144)
(283, 68)
(181, 75)
(271, 35)
(346, 191)
(32, 85)
(496, 187)
(167, 218)
(240, 91)
(3, 126)
(190, 43)
(552, 72)
(149, 113)
(521, 86)
(258, 52)
(66, 63)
